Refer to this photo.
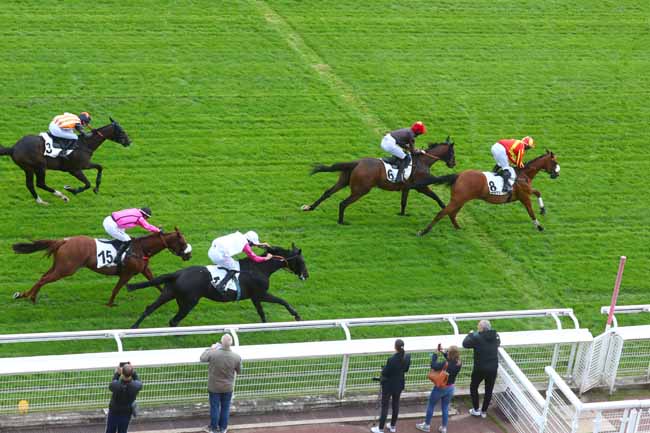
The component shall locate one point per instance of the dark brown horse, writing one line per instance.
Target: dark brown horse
(365, 174)
(472, 184)
(71, 254)
(28, 154)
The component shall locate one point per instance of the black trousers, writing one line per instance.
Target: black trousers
(386, 396)
(478, 376)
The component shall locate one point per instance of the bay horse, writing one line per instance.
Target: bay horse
(472, 184)
(364, 174)
(189, 285)
(71, 254)
(28, 154)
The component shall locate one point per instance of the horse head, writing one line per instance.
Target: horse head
(119, 134)
(175, 242)
(444, 151)
(552, 166)
(547, 162)
(293, 257)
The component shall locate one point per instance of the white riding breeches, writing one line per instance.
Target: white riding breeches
(62, 132)
(501, 158)
(222, 260)
(112, 229)
(389, 144)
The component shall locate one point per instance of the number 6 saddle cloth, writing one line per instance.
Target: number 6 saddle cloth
(106, 252)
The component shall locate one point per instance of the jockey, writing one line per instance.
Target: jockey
(396, 141)
(513, 150)
(224, 247)
(115, 223)
(63, 128)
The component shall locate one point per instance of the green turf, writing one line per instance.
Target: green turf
(229, 103)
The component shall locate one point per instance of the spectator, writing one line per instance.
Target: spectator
(452, 364)
(485, 343)
(392, 385)
(125, 387)
(223, 364)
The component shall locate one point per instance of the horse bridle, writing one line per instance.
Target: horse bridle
(164, 242)
(285, 259)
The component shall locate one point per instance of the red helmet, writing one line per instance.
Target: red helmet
(528, 141)
(419, 128)
(85, 118)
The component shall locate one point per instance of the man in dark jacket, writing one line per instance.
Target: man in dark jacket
(485, 343)
(125, 387)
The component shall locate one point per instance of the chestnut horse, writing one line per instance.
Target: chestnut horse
(28, 154)
(367, 173)
(471, 184)
(71, 254)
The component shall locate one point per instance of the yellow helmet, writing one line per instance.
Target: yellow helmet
(528, 140)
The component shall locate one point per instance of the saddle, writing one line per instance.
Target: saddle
(391, 160)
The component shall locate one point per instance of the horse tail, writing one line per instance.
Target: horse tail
(6, 150)
(154, 282)
(339, 166)
(448, 179)
(31, 247)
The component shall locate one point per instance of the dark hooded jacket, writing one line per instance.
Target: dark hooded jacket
(486, 349)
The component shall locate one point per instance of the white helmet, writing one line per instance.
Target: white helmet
(252, 237)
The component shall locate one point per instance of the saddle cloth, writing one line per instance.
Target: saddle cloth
(495, 183)
(106, 252)
(218, 273)
(391, 171)
(51, 150)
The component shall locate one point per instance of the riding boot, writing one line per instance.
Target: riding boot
(402, 164)
(505, 174)
(121, 250)
(221, 285)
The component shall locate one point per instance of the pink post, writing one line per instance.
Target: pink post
(617, 286)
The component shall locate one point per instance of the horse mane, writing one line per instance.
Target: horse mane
(433, 145)
(278, 251)
(535, 159)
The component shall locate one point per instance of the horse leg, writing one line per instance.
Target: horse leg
(259, 308)
(40, 182)
(344, 178)
(149, 276)
(405, 198)
(29, 183)
(184, 307)
(166, 296)
(124, 278)
(427, 191)
(448, 210)
(525, 200)
(356, 195)
(82, 177)
(49, 277)
(452, 216)
(267, 297)
(538, 194)
(98, 179)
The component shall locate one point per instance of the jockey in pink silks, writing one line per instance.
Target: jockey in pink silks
(115, 223)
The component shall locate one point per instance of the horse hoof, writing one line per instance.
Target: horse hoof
(41, 201)
(540, 228)
(33, 299)
(17, 295)
(420, 234)
(305, 207)
(67, 187)
(96, 190)
(298, 319)
(543, 211)
(111, 304)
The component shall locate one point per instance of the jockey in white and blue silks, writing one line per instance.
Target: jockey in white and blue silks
(224, 247)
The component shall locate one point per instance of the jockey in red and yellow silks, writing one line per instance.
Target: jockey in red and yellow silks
(511, 150)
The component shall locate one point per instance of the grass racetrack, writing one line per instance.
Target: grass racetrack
(229, 104)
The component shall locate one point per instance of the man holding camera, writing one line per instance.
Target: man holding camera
(125, 387)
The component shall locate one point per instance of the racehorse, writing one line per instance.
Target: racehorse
(71, 254)
(367, 173)
(28, 154)
(472, 184)
(188, 285)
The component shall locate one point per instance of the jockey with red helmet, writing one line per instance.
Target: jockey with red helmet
(63, 128)
(511, 150)
(396, 141)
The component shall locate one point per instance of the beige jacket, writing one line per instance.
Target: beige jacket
(223, 364)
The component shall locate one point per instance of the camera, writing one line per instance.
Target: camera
(122, 364)
(439, 347)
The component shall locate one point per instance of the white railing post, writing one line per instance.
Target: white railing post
(118, 340)
(343, 379)
(233, 333)
(598, 420)
(547, 405)
(632, 421)
(453, 324)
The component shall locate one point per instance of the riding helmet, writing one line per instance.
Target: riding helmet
(252, 237)
(419, 128)
(146, 211)
(528, 141)
(85, 118)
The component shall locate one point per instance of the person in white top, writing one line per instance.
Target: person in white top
(224, 247)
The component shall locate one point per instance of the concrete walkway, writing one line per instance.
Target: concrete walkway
(339, 420)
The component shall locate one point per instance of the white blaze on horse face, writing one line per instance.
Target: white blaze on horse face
(541, 202)
(557, 169)
(188, 249)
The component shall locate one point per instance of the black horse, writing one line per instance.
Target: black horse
(189, 285)
(29, 154)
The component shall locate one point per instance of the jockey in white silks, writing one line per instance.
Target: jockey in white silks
(224, 247)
